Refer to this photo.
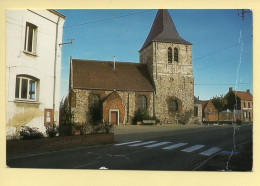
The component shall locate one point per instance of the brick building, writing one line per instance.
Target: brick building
(161, 83)
(242, 103)
(240, 106)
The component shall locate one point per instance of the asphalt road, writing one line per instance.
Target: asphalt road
(177, 150)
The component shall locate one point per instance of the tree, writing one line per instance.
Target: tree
(220, 104)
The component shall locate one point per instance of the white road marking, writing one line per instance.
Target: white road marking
(126, 143)
(210, 151)
(144, 143)
(192, 148)
(158, 144)
(175, 146)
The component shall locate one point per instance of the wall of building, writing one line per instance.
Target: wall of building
(40, 65)
(172, 80)
(246, 110)
(124, 101)
(198, 118)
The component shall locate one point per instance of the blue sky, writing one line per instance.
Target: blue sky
(221, 43)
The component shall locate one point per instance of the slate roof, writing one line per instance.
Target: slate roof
(196, 100)
(91, 74)
(164, 30)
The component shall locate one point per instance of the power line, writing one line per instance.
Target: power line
(219, 50)
(108, 19)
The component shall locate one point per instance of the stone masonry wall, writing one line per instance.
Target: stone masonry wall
(173, 79)
(80, 104)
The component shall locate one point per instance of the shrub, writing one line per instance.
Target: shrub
(52, 130)
(82, 128)
(66, 115)
(102, 128)
(27, 133)
(141, 115)
(95, 114)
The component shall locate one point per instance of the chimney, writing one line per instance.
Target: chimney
(230, 89)
(248, 91)
(114, 62)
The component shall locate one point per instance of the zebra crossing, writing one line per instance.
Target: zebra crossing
(166, 145)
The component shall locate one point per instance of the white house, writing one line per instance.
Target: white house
(33, 65)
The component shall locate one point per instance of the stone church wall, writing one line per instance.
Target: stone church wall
(172, 80)
(80, 104)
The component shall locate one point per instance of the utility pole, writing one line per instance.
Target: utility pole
(243, 12)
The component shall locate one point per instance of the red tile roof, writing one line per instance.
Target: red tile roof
(90, 74)
(204, 103)
(243, 95)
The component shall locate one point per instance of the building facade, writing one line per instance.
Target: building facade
(241, 102)
(33, 63)
(239, 107)
(161, 83)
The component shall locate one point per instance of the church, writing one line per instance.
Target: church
(161, 84)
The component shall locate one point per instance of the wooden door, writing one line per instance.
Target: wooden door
(114, 116)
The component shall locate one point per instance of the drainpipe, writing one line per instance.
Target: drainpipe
(54, 77)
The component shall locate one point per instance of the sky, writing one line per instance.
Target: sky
(222, 46)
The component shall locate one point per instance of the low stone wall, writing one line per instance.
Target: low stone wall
(48, 144)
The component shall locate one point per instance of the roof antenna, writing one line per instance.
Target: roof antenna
(114, 62)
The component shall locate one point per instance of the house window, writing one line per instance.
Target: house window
(25, 88)
(169, 55)
(244, 104)
(176, 55)
(248, 104)
(196, 111)
(142, 102)
(30, 38)
(173, 105)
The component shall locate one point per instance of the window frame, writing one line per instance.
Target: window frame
(142, 102)
(173, 105)
(196, 111)
(169, 55)
(28, 89)
(94, 101)
(176, 54)
(30, 38)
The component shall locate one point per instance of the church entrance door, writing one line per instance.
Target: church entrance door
(114, 117)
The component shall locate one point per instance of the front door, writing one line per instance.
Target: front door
(114, 116)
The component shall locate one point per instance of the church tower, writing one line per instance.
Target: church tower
(169, 61)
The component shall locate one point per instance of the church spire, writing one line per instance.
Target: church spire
(164, 30)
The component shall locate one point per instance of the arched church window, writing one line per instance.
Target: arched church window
(176, 55)
(169, 55)
(173, 105)
(142, 102)
(95, 100)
